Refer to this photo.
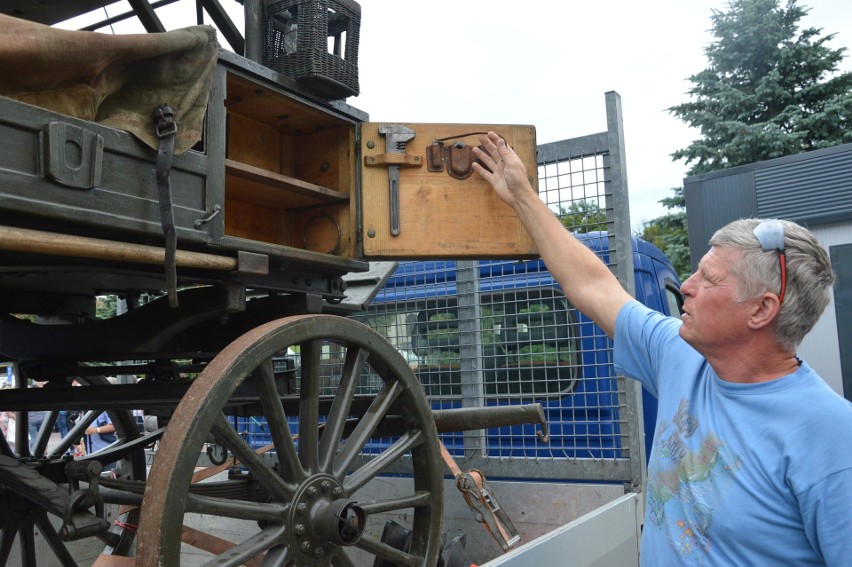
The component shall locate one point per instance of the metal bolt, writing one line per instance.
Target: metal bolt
(307, 546)
(300, 508)
(300, 529)
(312, 491)
(325, 486)
(319, 552)
(325, 166)
(371, 233)
(337, 492)
(371, 144)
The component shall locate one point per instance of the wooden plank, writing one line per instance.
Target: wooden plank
(256, 185)
(254, 222)
(254, 143)
(318, 158)
(41, 242)
(114, 561)
(441, 216)
(256, 100)
(212, 544)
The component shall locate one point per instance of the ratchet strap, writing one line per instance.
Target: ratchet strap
(481, 500)
(164, 119)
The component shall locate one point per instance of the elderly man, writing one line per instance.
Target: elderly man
(752, 458)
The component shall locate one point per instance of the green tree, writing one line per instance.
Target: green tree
(770, 89)
(583, 216)
(669, 233)
(105, 306)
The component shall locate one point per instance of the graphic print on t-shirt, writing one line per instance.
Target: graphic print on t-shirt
(687, 482)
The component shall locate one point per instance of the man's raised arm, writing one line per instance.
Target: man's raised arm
(587, 282)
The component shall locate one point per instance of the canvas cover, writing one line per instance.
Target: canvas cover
(116, 80)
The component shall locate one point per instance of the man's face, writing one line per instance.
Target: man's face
(712, 318)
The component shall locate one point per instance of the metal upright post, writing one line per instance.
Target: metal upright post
(470, 347)
(254, 34)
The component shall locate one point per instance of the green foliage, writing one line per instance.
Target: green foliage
(105, 306)
(583, 216)
(770, 89)
(669, 233)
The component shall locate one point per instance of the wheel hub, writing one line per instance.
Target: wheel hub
(322, 519)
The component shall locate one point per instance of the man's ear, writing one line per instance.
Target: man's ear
(764, 312)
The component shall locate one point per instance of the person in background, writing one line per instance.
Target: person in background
(9, 428)
(751, 463)
(34, 419)
(62, 423)
(100, 435)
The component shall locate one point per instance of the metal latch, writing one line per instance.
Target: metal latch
(73, 155)
(456, 158)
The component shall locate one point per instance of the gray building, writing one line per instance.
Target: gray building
(813, 189)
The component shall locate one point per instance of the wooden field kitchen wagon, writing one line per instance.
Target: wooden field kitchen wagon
(233, 202)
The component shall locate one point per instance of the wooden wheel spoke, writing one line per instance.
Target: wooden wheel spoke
(387, 552)
(28, 554)
(236, 509)
(74, 433)
(228, 553)
(5, 449)
(389, 456)
(229, 437)
(251, 547)
(7, 538)
(62, 447)
(309, 404)
(279, 429)
(366, 426)
(339, 412)
(56, 545)
(278, 556)
(419, 499)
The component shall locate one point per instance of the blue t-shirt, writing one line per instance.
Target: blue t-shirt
(99, 441)
(740, 474)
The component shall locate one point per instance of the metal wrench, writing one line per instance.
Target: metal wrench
(396, 137)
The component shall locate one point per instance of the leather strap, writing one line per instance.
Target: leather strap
(164, 118)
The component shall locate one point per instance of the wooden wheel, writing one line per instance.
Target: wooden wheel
(309, 512)
(32, 504)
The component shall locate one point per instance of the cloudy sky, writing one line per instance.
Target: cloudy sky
(548, 63)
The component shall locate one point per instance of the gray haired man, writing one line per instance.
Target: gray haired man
(747, 466)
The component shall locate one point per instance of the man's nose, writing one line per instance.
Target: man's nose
(686, 287)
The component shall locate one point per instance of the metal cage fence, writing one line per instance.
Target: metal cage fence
(484, 333)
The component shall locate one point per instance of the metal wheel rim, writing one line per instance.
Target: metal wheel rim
(166, 494)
